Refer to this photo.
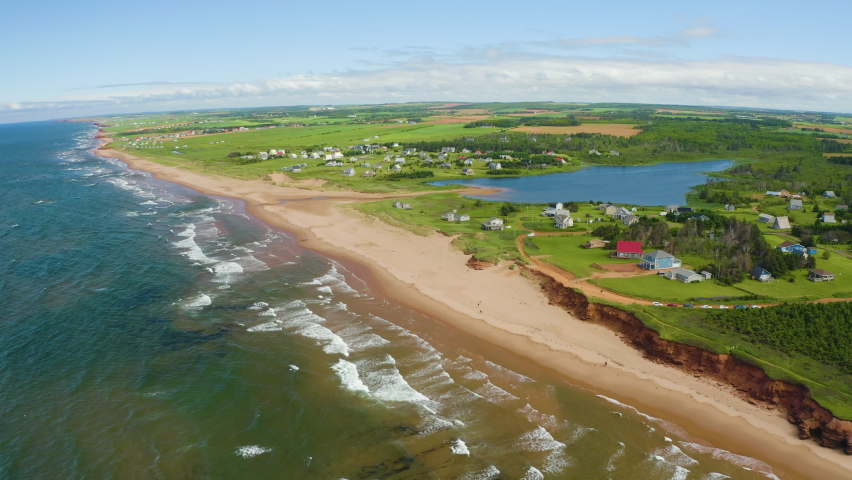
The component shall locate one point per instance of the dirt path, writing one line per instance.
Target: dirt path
(570, 281)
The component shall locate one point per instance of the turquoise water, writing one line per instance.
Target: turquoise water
(661, 184)
(153, 332)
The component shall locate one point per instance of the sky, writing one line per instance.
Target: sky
(62, 59)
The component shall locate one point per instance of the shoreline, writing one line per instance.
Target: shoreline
(428, 275)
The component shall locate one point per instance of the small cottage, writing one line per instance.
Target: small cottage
(348, 172)
(683, 275)
(827, 218)
(760, 274)
(467, 171)
(629, 220)
(730, 207)
(368, 173)
(396, 168)
(765, 218)
(781, 223)
(402, 206)
(820, 275)
(624, 249)
(795, 204)
(493, 223)
(829, 194)
(594, 243)
(563, 220)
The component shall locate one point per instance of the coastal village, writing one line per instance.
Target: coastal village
(736, 270)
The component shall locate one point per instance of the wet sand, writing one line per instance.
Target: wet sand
(499, 306)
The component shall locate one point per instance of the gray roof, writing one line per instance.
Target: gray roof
(759, 271)
(659, 254)
(683, 271)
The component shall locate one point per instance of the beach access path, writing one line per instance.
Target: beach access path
(500, 306)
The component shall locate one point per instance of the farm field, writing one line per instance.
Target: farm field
(616, 129)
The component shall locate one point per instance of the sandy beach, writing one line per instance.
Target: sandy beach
(500, 306)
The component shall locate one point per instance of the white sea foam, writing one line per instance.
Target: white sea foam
(495, 394)
(674, 455)
(539, 440)
(294, 368)
(459, 448)
(533, 473)
(258, 306)
(270, 312)
(509, 374)
(475, 375)
(249, 451)
(432, 424)
(386, 383)
(348, 374)
(266, 327)
(734, 459)
(489, 473)
(668, 426)
(304, 322)
(556, 462)
(664, 467)
(199, 301)
(148, 202)
(714, 476)
(610, 463)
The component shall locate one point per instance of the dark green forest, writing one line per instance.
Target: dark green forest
(821, 331)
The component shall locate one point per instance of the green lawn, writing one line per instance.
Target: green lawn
(654, 287)
(566, 253)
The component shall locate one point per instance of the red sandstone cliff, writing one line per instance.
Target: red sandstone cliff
(813, 420)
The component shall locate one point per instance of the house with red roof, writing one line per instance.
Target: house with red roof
(626, 249)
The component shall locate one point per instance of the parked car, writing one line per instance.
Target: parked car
(657, 304)
(740, 306)
(706, 306)
(724, 306)
(754, 306)
(671, 305)
(689, 305)
(531, 234)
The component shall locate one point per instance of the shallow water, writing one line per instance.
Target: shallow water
(153, 332)
(661, 184)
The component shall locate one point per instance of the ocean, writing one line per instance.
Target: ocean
(150, 331)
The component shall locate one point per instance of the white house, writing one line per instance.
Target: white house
(495, 166)
(563, 219)
(493, 223)
(348, 172)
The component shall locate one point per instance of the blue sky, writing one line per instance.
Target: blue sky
(62, 59)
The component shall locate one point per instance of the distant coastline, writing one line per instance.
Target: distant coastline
(500, 306)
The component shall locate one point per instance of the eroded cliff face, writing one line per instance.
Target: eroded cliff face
(751, 382)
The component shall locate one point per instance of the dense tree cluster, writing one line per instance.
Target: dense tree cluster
(821, 331)
(395, 177)
(734, 247)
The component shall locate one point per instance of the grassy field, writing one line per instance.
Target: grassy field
(566, 253)
(620, 130)
(654, 287)
(424, 218)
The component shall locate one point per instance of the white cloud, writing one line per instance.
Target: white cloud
(727, 81)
